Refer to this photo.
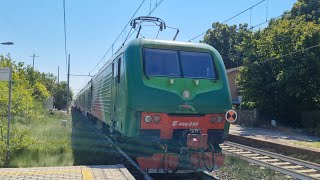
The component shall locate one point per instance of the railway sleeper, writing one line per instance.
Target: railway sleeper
(293, 167)
(281, 163)
(244, 152)
(307, 171)
(236, 150)
(252, 155)
(261, 157)
(270, 160)
(315, 175)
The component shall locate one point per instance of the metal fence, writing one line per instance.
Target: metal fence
(247, 117)
(310, 119)
(306, 119)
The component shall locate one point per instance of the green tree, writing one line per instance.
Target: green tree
(308, 9)
(286, 83)
(40, 91)
(228, 41)
(22, 99)
(60, 95)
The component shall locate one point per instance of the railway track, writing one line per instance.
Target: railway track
(287, 165)
(186, 176)
(133, 164)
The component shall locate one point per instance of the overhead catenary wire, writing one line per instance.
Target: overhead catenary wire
(111, 47)
(282, 55)
(264, 22)
(257, 25)
(230, 18)
(128, 36)
(155, 7)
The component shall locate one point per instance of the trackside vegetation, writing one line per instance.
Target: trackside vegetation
(50, 142)
(279, 64)
(236, 168)
(29, 91)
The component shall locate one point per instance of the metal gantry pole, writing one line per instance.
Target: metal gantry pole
(9, 121)
(68, 88)
(33, 57)
(58, 74)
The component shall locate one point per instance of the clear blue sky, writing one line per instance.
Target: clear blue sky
(36, 26)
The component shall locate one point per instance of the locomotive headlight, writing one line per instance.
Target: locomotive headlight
(219, 119)
(148, 118)
(186, 94)
(213, 119)
(156, 118)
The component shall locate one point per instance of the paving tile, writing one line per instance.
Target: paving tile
(97, 172)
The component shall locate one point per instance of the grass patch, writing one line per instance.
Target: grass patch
(308, 144)
(51, 143)
(54, 145)
(236, 168)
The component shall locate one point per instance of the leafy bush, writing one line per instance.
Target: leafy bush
(19, 140)
(29, 90)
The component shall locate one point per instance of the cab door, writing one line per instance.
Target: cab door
(116, 67)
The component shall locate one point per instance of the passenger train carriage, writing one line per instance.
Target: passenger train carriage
(167, 99)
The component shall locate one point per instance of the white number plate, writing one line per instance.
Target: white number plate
(195, 131)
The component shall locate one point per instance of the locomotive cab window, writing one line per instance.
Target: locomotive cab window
(161, 62)
(169, 63)
(197, 65)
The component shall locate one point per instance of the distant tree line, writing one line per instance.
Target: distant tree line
(268, 80)
(31, 88)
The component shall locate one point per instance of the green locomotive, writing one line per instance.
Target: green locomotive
(168, 94)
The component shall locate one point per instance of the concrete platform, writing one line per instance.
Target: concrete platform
(284, 136)
(282, 141)
(98, 172)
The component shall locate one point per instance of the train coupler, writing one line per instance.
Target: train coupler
(197, 141)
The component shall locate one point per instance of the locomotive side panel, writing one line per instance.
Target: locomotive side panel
(101, 95)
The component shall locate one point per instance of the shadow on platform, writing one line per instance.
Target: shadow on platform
(89, 148)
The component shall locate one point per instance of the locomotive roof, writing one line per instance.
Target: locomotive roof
(167, 43)
(156, 43)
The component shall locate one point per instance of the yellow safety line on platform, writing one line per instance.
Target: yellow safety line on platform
(50, 172)
(86, 173)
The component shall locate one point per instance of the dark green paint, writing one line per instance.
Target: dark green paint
(137, 93)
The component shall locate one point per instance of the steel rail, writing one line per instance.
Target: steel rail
(310, 165)
(294, 167)
(206, 175)
(146, 175)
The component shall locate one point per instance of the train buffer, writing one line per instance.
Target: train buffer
(95, 172)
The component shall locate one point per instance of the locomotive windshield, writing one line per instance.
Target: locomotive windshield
(166, 63)
(197, 65)
(161, 63)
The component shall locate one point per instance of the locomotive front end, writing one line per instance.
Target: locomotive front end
(181, 104)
